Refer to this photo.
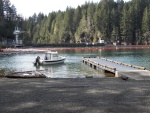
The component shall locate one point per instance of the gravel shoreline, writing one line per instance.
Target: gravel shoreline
(74, 95)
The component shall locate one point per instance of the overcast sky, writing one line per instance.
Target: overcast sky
(28, 7)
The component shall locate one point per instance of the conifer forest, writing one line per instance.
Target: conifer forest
(108, 20)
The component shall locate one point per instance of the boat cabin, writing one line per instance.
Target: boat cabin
(51, 55)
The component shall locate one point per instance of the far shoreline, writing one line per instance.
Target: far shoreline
(44, 49)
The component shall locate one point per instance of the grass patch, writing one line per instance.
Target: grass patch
(4, 72)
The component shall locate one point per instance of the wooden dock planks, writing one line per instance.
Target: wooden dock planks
(118, 68)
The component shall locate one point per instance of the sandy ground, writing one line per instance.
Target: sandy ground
(76, 95)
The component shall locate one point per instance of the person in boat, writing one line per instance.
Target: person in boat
(46, 58)
(37, 61)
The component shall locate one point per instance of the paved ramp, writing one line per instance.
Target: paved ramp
(135, 74)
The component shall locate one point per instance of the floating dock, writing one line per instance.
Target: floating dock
(118, 68)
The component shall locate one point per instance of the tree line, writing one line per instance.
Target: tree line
(109, 20)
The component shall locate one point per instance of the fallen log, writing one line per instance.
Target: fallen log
(26, 74)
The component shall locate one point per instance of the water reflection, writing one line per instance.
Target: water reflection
(69, 70)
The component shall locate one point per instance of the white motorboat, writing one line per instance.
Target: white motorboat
(51, 57)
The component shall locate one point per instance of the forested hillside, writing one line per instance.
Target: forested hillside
(112, 21)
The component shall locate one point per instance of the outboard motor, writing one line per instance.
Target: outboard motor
(37, 61)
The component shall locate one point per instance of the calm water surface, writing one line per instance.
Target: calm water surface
(73, 66)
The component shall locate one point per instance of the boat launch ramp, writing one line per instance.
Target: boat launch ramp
(118, 68)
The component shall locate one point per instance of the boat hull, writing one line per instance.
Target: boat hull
(47, 62)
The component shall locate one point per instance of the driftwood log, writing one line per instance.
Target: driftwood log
(27, 74)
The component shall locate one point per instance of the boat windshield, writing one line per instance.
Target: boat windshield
(55, 55)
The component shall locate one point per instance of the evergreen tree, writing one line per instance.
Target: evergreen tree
(146, 21)
(57, 27)
(126, 24)
(2, 22)
(146, 25)
(76, 21)
(67, 26)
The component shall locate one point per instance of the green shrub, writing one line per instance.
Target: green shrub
(2, 73)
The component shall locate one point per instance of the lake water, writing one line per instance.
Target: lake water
(73, 66)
